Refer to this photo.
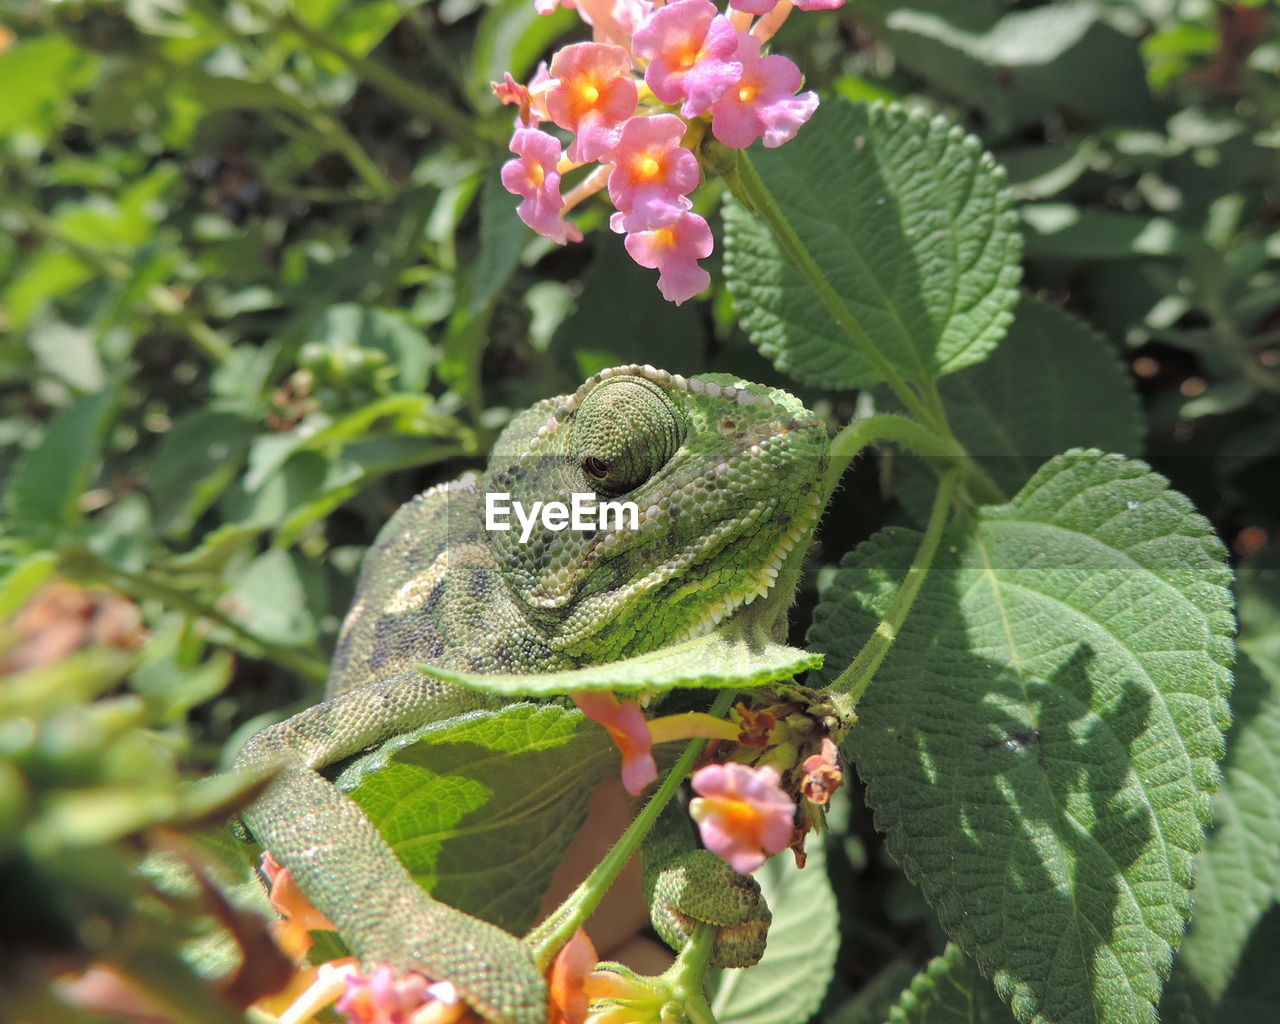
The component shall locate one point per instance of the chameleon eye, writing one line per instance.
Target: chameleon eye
(625, 431)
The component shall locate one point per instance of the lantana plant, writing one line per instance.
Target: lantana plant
(638, 104)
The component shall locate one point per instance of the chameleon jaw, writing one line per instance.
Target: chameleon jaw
(763, 585)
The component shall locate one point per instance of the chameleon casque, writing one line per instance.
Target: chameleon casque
(725, 476)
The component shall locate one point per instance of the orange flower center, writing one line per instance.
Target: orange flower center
(647, 168)
(737, 817)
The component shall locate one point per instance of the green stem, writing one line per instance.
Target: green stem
(688, 974)
(748, 188)
(909, 433)
(362, 163)
(852, 683)
(159, 300)
(84, 564)
(410, 95)
(937, 448)
(549, 937)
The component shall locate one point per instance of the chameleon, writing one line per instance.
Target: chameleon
(724, 475)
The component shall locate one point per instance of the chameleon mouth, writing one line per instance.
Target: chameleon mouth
(768, 576)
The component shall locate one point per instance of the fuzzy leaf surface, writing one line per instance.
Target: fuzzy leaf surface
(909, 224)
(1238, 877)
(1041, 742)
(481, 807)
(724, 659)
(1053, 384)
(950, 991)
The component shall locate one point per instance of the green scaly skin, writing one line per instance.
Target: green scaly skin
(725, 475)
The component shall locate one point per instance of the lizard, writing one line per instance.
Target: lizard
(725, 477)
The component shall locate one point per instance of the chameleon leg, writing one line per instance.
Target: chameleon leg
(687, 886)
(350, 873)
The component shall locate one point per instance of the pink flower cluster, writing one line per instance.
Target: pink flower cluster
(635, 99)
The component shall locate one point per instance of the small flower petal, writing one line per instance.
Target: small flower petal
(300, 917)
(742, 813)
(817, 5)
(535, 177)
(567, 996)
(651, 174)
(755, 6)
(763, 104)
(674, 252)
(614, 21)
(625, 722)
(690, 48)
(593, 95)
(383, 997)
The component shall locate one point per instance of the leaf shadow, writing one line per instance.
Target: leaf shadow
(1014, 805)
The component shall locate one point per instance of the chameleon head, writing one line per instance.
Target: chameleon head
(722, 477)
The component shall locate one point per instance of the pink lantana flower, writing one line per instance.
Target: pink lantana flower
(763, 104)
(755, 6)
(652, 174)
(380, 997)
(626, 724)
(614, 21)
(690, 46)
(594, 93)
(674, 252)
(535, 177)
(742, 813)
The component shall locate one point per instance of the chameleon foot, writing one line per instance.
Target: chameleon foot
(698, 887)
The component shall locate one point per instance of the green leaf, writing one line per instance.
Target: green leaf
(620, 313)
(349, 327)
(47, 483)
(38, 76)
(909, 225)
(731, 658)
(270, 600)
(453, 797)
(1054, 384)
(1063, 231)
(1238, 876)
(511, 37)
(1040, 743)
(200, 456)
(950, 991)
(787, 985)
(502, 238)
(1028, 64)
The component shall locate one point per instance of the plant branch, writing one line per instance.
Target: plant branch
(852, 683)
(549, 937)
(748, 188)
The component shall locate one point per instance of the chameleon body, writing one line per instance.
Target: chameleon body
(724, 478)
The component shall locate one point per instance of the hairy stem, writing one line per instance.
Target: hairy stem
(943, 450)
(852, 683)
(689, 973)
(549, 937)
(82, 564)
(748, 188)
